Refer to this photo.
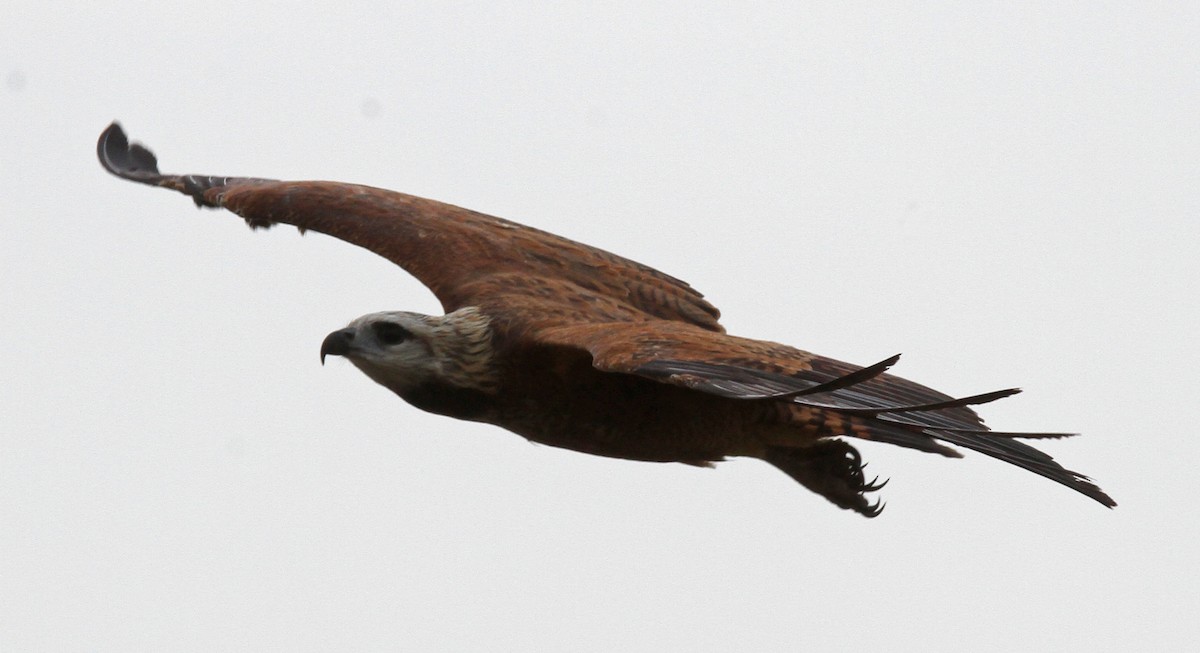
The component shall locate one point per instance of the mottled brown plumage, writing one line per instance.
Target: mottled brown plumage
(572, 346)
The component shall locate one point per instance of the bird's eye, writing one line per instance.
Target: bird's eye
(390, 333)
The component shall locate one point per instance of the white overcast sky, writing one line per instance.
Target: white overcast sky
(1007, 193)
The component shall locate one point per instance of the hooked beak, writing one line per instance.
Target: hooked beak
(338, 343)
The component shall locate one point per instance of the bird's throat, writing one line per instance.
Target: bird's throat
(450, 400)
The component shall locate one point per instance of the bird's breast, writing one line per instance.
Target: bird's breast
(451, 401)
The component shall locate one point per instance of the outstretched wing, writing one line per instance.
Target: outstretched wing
(456, 252)
(861, 402)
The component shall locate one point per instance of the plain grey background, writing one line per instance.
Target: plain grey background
(1004, 192)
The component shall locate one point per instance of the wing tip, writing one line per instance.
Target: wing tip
(844, 381)
(131, 161)
(1085, 486)
(135, 162)
(1006, 448)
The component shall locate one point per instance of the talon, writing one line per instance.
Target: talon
(875, 485)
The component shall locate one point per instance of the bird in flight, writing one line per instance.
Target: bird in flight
(574, 347)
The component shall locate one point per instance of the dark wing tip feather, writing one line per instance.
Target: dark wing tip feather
(135, 162)
(741, 382)
(846, 380)
(126, 160)
(1016, 435)
(1004, 447)
(973, 400)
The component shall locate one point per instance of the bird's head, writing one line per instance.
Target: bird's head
(403, 351)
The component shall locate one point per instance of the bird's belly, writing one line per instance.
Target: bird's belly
(634, 419)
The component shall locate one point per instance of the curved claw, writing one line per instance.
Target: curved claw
(874, 509)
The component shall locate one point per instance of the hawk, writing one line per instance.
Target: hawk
(574, 347)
